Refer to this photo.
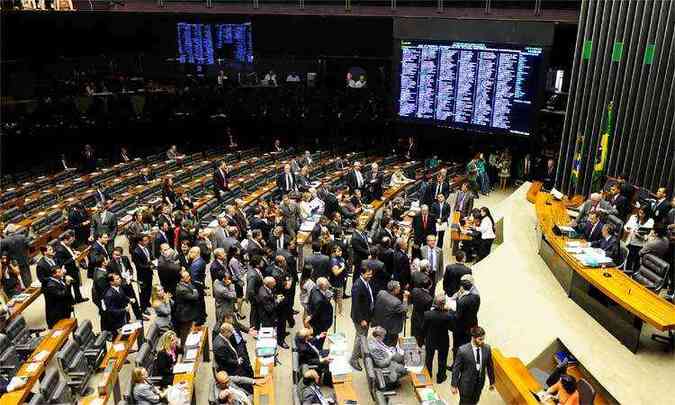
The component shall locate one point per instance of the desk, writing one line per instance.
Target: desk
(51, 344)
(189, 379)
(616, 301)
(18, 307)
(344, 392)
(534, 189)
(265, 392)
(513, 380)
(456, 235)
(110, 382)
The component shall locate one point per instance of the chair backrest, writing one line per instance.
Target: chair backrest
(49, 383)
(84, 333)
(66, 356)
(153, 336)
(16, 330)
(653, 272)
(145, 358)
(586, 392)
(617, 222)
(38, 399)
(4, 343)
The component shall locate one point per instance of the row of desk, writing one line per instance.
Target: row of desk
(33, 368)
(613, 298)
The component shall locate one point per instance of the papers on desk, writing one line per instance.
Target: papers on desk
(130, 327)
(266, 361)
(340, 365)
(266, 347)
(57, 333)
(264, 371)
(566, 229)
(193, 339)
(191, 355)
(591, 257)
(307, 226)
(267, 332)
(119, 347)
(428, 394)
(182, 368)
(33, 367)
(337, 338)
(21, 297)
(41, 356)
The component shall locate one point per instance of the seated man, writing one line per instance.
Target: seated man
(309, 353)
(609, 243)
(227, 389)
(593, 205)
(386, 357)
(592, 229)
(310, 392)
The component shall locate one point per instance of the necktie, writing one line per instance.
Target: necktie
(440, 211)
(438, 190)
(478, 359)
(432, 259)
(424, 221)
(280, 242)
(461, 202)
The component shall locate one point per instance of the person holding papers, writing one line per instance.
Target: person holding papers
(310, 352)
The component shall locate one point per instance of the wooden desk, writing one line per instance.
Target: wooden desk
(596, 292)
(421, 380)
(533, 191)
(266, 390)
(110, 384)
(189, 379)
(18, 307)
(344, 392)
(513, 380)
(51, 344)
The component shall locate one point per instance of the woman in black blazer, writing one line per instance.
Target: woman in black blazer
(167, 354)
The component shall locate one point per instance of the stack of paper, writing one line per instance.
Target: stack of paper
(181, 368)
(193, 339)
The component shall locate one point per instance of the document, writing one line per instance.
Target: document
(193, 339)
(181, 368)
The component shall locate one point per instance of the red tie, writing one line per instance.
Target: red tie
(424, 221)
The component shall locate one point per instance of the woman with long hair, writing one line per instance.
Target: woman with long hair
(167, 355)
(162, 304)
(306, 286)
(168, 192)
(338, 275)
(487, 233)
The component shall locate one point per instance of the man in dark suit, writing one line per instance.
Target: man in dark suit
(116, 303)
(401, 268)
(423, 225)
(302, 180)
(102, 222)
(389, 311)
(46, 263)
(65, 256)
(240, 216)
(58, 301)
(16, 244)
(98, 249)
(375, 180)
(198, 276)
(620, 202)
(168, 270)
(465, 314)
(381, 275)
(278, 239)
(548, 175)
(286, 180)
(609, 243)
(454, 273)
(143, 262)
(437, 323)
(120, 265)
(320, 311)
(290, 212)
(220, 180)
(660, 207)
(385, 230)
(254, 281)
(268, 303)
(441, 211)
(363, 302)
(186, 307)
(77, 218)
(472, 362)
(226, 355)
(360, 247)
(438, 187)
(464, 201)
(592, 229)
(320, 262)
(355, 179)
(99, 286)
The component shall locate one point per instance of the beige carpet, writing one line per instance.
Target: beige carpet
(523, 310)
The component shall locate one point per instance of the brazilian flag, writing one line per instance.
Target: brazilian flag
(576, 163)
(600, 165)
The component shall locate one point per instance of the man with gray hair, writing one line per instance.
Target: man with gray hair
(594, 204)
(320, 310)
(385, 356)
(168, 269)
(421, 278)
(390, 311)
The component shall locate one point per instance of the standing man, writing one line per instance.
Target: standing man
(355, 179)
(46, 263)
(102, 222)
(16, 244)
(454, 273)
(375, 180)
(320, 262)
(472, 362)
(220, 180)
(436, 339)
(464, 201)
(465, 314)
(186, 308)
(441, 211)
(254, 280)
(116, 303)
(360, 247)
(198, 276)
(363, 303)
(434, 255)
(58, 301)
(143, 262)
(286, 180)
(389, 311)
(65, 256)
(290, 213)
(423, 225)
(121, 266)
(320, 310)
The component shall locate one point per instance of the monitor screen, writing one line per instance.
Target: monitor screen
(204, 44)
(479, 86)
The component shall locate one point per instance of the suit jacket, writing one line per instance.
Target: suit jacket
(611, 248)
(253, 284)
(302, 182)
(220, 180)
(389, 312)
(186, 298)
(218, 270)
(290, 216)
(401, 271)
(452, 276)
(62, 257)
(436, 326)
(283, 183)
(116, 308)
(466, 315)
(272, 242)
(464, 203)
(161, 239)
(592, 233)
(169, 274)
(198, 272)
(466, 377)
(360, 246)
(320, 310)
(421, 229)
(381, 275)
(331, 204)
(621, 205)
(99, 286)
(587, 207)
(219, 238)
(659, 211)
(441, 212)
(101, 225)
(421, 300)
(241, 221)
(436, 270)
(310, 395)
(363, 301)
(143, 264)
(43, 269)
(58, 301)
(225, 297)
(352, 181)
(225, 355)
(657, 247)
(320, 264)
(375, 185)
(430, 196)
(307, 355)
(267, 307)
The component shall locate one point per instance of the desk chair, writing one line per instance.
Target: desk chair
(153, 337)
(586, 392)
(654, 274)
(623, 250)
(53, 390)
(145, 357)
(24, 339)
(295, 360)
(74, 365)
(94, 346)
(10, 361)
